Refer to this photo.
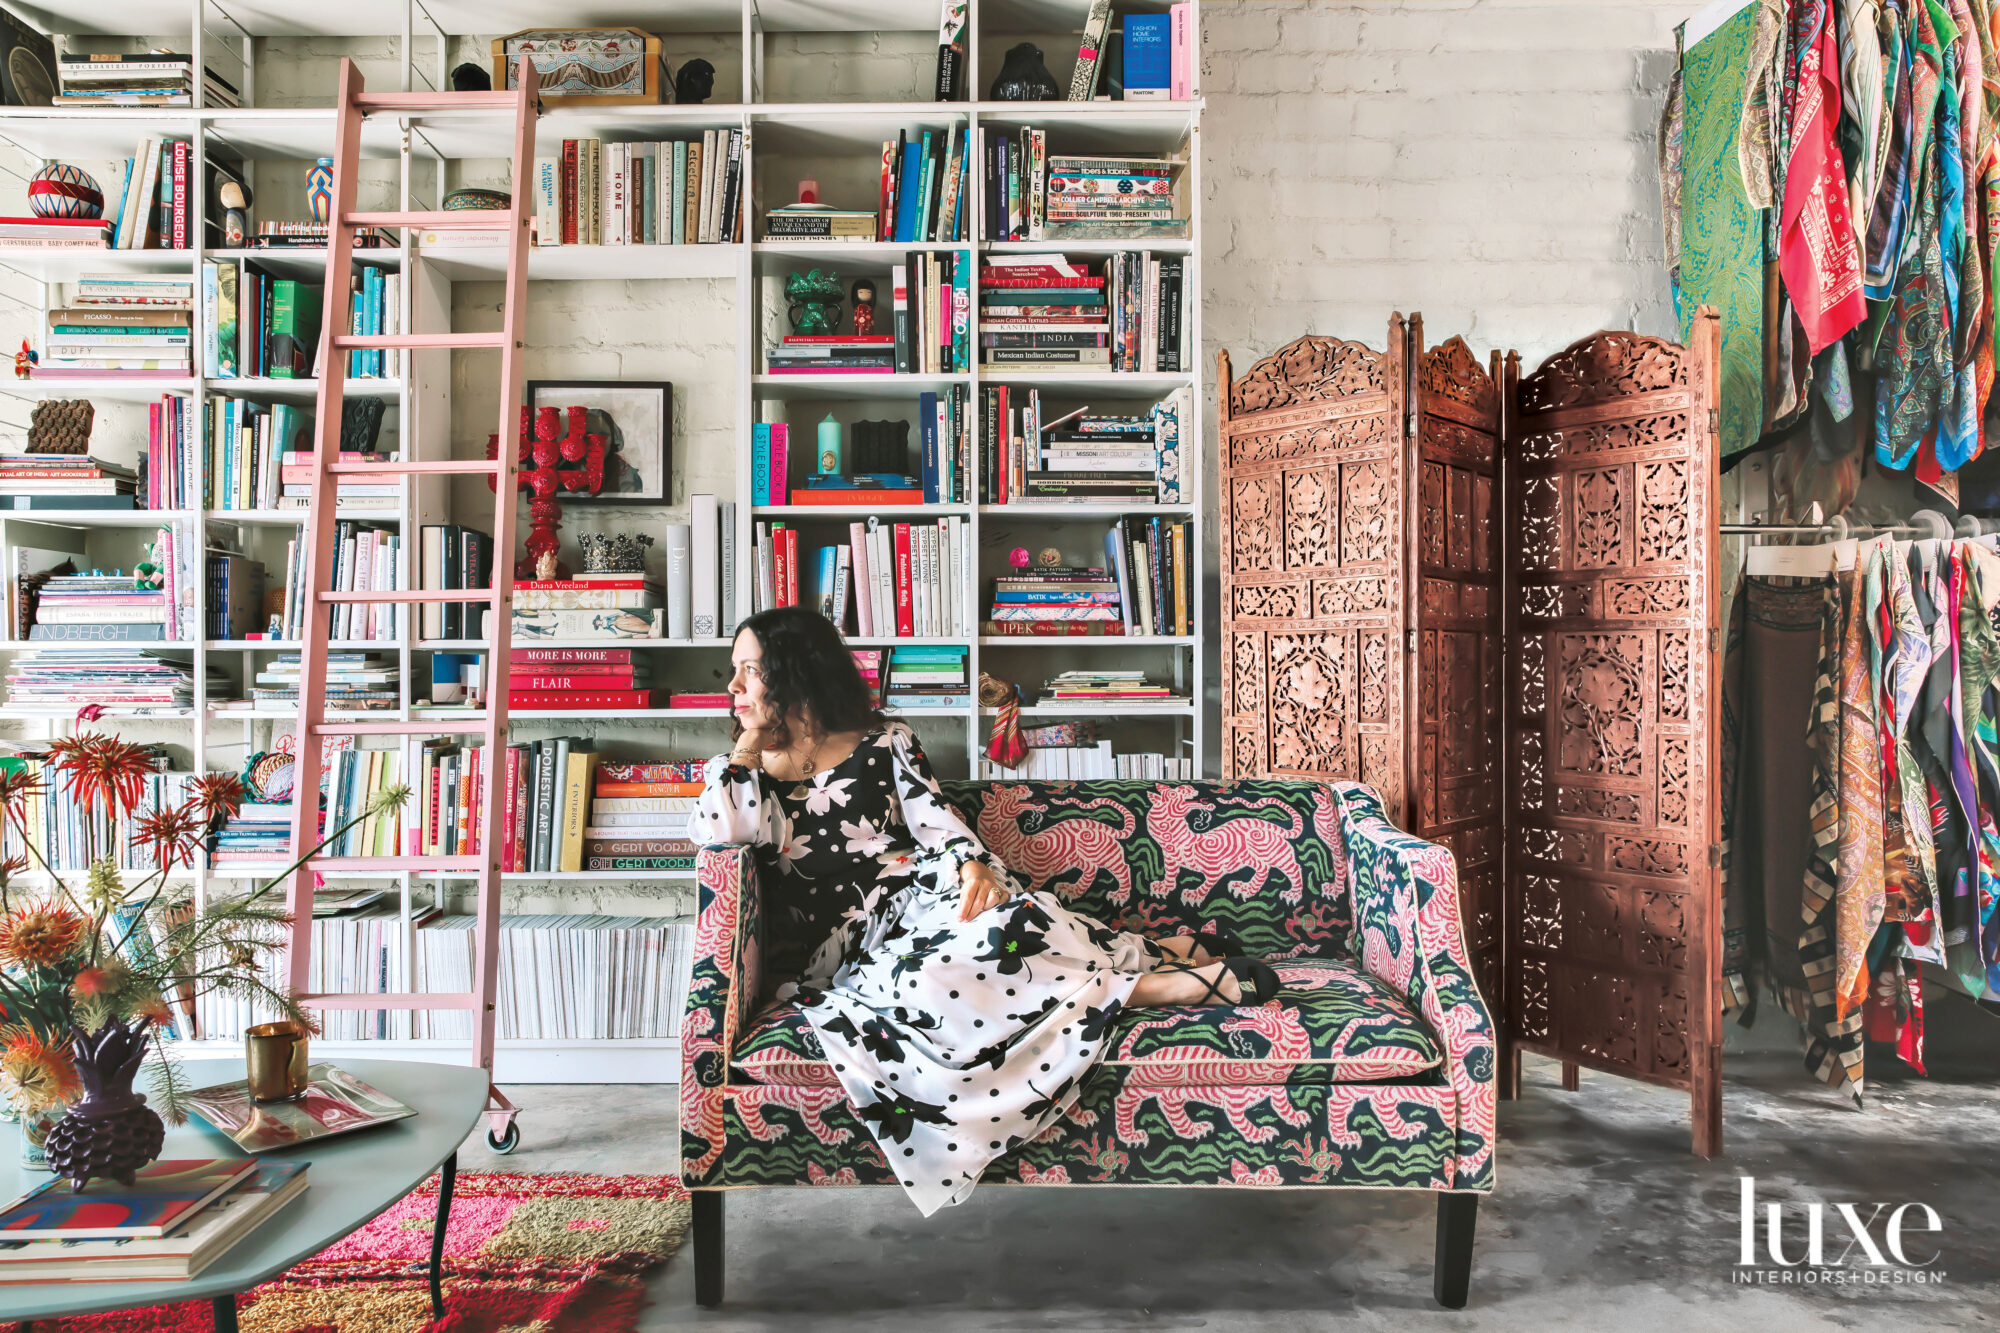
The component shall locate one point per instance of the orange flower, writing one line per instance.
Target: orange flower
(217, 794)
(103, 769)
(40, 935)
(155, 1008)
(91, 981)
(173, 831)
(36, 1075)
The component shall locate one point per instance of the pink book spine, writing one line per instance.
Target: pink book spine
(1181, 75)
(864, 610)
(780, 466)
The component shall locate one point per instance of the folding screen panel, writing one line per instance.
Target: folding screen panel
(1611, 918)
(1312, 546)
(1456, 669)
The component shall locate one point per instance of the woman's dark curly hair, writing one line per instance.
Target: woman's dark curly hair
(808, 665)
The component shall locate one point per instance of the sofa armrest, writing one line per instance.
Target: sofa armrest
(722, 995)
(1408, 934)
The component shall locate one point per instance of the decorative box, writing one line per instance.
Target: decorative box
(584, 66)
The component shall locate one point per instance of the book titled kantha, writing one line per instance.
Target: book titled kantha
(162, 1198)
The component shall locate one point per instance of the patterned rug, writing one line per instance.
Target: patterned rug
(551, 1254)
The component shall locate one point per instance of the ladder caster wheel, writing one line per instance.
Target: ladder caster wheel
(504, 1144)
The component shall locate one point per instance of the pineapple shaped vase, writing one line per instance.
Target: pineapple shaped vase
(111, 1132)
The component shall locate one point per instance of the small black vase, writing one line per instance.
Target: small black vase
(1024, 78)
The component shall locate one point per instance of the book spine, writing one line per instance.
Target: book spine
(704, 515)
(905, 605)
(864, 602)
(569, 209)
(727, 618)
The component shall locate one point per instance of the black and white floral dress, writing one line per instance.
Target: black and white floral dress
(956, 1040)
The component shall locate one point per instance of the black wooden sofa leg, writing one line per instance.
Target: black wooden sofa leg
(708, 1249)
(1457, 1214)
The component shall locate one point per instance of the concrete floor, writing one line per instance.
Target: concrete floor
(1601, 1218)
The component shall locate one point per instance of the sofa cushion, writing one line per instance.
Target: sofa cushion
(1259, 858)
(1332, 1023)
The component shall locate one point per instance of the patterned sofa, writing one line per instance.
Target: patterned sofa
(1374, 1068)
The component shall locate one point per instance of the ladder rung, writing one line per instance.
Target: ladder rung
(335, 865)
(462, 219)
(437, 727)
(483, 596)
(420, 1000)
(359, 341)
(435, 101)
(465, 467)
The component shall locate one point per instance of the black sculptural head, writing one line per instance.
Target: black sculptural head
(1024, 78)
(694, 83)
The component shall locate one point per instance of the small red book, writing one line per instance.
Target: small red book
(697, 701)
(604, 788)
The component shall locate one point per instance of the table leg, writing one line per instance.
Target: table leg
(224, 1314)
(445, 1178)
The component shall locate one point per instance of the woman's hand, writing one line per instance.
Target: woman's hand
(983, 889)
(750, 746)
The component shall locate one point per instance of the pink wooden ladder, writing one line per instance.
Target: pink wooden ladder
(491, 727)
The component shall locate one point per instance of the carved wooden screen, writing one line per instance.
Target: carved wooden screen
(1312, 564)
(1455, 721)
(1612, 921)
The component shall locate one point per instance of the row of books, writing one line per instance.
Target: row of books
(1034, 195)
(365, 559)
(53, 826)
(565, 808)
(1142, 588)
(177, 1217)
(258, 834)
(1128, 315)
(259, 325)
(944, 447)
(1084, 456)
(292, 234)
(888, 580)
(172, 478)
(1096, 760)
(355, 681)
(925, 192)
(108, 304)
(927, 676)
(374, 309)
(149, 78)
(246, 442)
(1115, 688)
(451, 555)
(549, 678)
(674, 192)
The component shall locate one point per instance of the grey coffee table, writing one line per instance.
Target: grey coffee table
(354, 1178)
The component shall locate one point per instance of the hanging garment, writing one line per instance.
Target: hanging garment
(1858, 895)
(1769, 664)
(1979, 698)
(1861, 87)
(1720, 248)
(957, 1041)
(1833, 1039)
(1882, 247)
(1817, 256)
(1902, 658)
(1757, 128)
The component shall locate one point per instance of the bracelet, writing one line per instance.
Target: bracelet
(743, 757)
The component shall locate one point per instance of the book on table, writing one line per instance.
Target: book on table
(205, 1238)
(163, 1197)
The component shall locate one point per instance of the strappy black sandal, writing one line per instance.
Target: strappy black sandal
(1218, 944)
(1257, 980)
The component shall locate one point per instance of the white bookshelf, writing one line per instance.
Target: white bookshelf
(751, 43)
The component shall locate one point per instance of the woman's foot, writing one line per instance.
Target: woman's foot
(1179, 983)
(1183, 949)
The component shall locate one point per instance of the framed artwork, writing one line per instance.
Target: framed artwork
(637, 417)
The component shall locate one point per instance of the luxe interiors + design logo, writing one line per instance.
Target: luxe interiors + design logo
(1841, 1244)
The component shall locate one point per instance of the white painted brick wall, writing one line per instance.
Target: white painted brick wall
(1490, 163)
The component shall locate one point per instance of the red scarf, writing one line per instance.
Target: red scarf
(1817, 256)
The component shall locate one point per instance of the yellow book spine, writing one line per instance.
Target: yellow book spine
(576, 807)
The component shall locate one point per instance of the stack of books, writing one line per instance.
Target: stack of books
(151, 78)
(1092, 759)
(264, 325)
(122, 678)
(176, 1218)
(859, 488)
(819, 222)
(65, 481)
(1042, 310)
(1047, 599)
(258, 834)
(356, 681)
(638, 817)
(100, 606)
(36, 233)
(452, 556)
(931, 312)
(1151, 559)
(1111, 197)
(1096, 458)
(136, 328)
(590, 606)
(926, 188)
(833, 354)
(1109, 689)
(675, 192)
(928, 676)
(869, 662)
(313, 236)
(543, 678)
(297, 468)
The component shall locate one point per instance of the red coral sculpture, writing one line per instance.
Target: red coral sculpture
(551, 462)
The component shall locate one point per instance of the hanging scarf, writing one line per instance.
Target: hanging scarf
(1861, 87)
(1858, 895)
(1005, 747)
(1979, 673)
(1817, 256)
(1882, 248)
(1757, 129)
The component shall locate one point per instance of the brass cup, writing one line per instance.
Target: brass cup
(274, 1055)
